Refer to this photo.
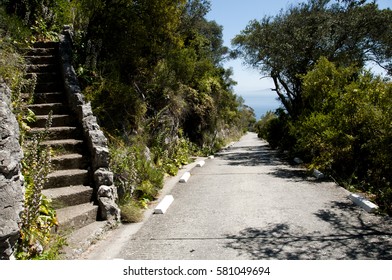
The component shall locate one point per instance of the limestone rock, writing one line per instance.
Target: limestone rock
(107, 204)
(11, 180)
(100, 157)
(106, 191)
(103, 176)
(96, 140)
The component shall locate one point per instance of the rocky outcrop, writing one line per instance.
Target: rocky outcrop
(11, 180)
(96, 140)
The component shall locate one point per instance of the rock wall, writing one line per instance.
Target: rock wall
(96, 140)
(11, 179)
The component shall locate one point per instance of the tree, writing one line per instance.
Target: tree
(288, 45)
(261, 126)
(156, 66)
(348, 132)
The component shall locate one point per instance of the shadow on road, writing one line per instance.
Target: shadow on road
(351, 237)
(264, 156)
(296, 174)
(251, 156)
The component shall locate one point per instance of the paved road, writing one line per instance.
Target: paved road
(248, 204)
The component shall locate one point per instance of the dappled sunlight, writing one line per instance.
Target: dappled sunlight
(252, 157)
(354, 237)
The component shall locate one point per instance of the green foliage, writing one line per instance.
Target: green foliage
(134, 174)
(117, 105)
(288, 45)
(13, 38)
(156, 77)
(12, 72)
(334, 112)
(278, 132)
(131, 211)
(347, 131)
(172, 155)
(43, 16)
(37, 240)
(43, 32)
(246, 116)
(139, 173)
(12, 31)
(262, 126)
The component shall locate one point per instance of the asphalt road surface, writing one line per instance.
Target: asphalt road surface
(248, 203)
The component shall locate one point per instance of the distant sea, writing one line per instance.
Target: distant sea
(261, 101)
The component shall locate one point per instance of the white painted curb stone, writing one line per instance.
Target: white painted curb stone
(184, 178)
(364, 203)
(164, 204)
(318, 174)
(200, 163)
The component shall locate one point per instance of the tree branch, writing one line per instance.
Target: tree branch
(282, 97)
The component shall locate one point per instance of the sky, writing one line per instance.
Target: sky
(234, 16)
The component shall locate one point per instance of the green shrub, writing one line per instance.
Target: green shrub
(172, 156)
(347, 132)
(37, 240)
(41, 15)
(14, 37)
(131, 211)
(137, 178)
(146, 190)
(134, 173)
(277, 131)
(12, 31)
(261, 127)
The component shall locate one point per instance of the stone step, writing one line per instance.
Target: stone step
(45, 97)
(46, 44)
(41, 51)
(65, 146)
(76, 217)
(68, 185)
(49, 97)
(69, 196)
(44, 76)
(68, 177)
(57, 120)
(69, 161)
(41, 59)
(51, 86)
(46, 108)
(58, 133)
(41, 68)
(80, 240)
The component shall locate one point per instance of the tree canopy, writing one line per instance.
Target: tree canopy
(157, 60)
(336, 114)
(289, 44)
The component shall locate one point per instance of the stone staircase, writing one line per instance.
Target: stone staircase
(70, 184)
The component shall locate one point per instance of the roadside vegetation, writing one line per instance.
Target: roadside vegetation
(336, 114)
(153, 72)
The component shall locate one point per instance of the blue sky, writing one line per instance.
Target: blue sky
(234, 15)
